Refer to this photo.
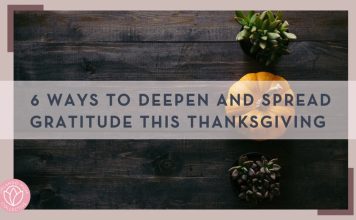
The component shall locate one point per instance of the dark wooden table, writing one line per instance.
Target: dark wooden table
(172, 45)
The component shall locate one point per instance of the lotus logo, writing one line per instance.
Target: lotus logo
(13, 195)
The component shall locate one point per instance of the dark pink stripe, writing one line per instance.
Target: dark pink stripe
(10, 21)
(350, 210)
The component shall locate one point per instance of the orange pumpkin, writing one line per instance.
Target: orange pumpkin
(258, 84)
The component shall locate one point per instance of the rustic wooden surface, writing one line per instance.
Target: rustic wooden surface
(171, 45)
(124, 173)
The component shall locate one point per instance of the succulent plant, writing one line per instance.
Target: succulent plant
(266, 35)
(256, 180)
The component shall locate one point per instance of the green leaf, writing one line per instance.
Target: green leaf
(276, 166)
(253, 29)
(248, 163)
(264, 38)
(234, 168)
(285, 26)
(273, 36)
(241, 21)
(274, 24)
(258, 22)
(290, 36)
(279, 15)
(253, 49)
(239, 14)
(263, 15)
(274, 160)
(265, 24)
(250, 14)
(241, 35)
(262, 45)
(253, 19)
(270, 16)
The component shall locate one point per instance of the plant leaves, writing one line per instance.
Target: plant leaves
(250, 14)
(253, 29)
(253, 19)
(235, 174)
(248, 163)
(273, 36)
(262, 170)
(273, 25)
(239, 14)
(279, 15)
(253, 49)
(242, 159)
(265, 24)
(242, 195)
(285, 26)
(234, 168)
(241, 35)
(259, 163)
(262, 45)
(251, 172)
(274, 160)
(290, 36)
(276, 167)
(268, 35)
(270, 16)
(263, 15)
(241, 21)
(258, 22)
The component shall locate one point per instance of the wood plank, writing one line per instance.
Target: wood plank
(191, 45)
(123, 173)
(133, 26)
(172, 61)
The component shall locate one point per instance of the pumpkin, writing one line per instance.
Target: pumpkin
(258, 84)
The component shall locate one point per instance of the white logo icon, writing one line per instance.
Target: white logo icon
(13, 195)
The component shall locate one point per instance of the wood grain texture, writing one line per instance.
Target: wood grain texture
(172, 45)
(122, 173)
(133, 26)
(172, 61)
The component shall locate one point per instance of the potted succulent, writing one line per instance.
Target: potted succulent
(264, 36)
(255, 178)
